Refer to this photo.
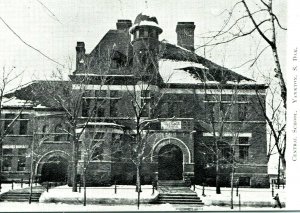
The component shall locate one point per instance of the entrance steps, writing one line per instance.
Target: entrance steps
(22, 195)
(174, 183)
(177, 192)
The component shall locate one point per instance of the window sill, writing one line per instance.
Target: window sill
(13, 135)
(55, 142)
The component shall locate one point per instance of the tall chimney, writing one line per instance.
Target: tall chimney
(124, 24)
(80, 55)
(185, 35)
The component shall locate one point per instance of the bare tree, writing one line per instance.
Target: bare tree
(244, 19)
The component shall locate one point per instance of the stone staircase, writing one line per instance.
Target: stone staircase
(22, 195)
(177, 192)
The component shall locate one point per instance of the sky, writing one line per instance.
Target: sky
(54, 26)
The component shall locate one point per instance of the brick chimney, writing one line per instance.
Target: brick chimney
(185, 35)
(124, 24)
(80, 55)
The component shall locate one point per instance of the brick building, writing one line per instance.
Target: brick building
(193, 115)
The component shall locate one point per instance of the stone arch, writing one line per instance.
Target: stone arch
(45, 158)
(187, 158)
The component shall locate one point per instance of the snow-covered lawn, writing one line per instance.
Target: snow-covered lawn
(248, 196)
(7, 186)
(99, 195)
(104, 199)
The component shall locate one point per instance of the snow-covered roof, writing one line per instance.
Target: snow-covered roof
(144, 19)
(103, 124)
(15, 102)
(171, 71)
(100, 75)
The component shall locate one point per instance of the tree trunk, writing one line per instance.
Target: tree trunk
(84, 187)
(218, 188)
(231, 184)
(74, 162)
(138, 183)
(283, 163)
(278, 174)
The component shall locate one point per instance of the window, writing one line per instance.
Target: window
(145, 103)
(23, 124)
(113, 108)
(153, 33)
(243, 148)
(141, 32)
(45, 131)
(100, 93)
(145, 107)
(100, 109)
(225, 109)
(8, 123)
(21, 159)
(244, 181)
(137, 34)
(97, 151)
(145, 94)
(86, 104)
(210, 108)
(212, 98)
(242, 111)
(226, 153)
(59, 133)
(88, 93)
(164, 110)
(7, 152)
(7, 159)
(146, 34)
(97, 135)
(173, 109)
(114, 93)
(227, 98)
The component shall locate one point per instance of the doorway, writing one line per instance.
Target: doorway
(170, 163)
(55, 170)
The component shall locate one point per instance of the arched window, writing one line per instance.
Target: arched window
(59, 133)
(45, 131)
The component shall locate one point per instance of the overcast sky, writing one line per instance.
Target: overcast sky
(54, 27)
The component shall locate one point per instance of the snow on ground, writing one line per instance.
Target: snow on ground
(63, 199)
(126, 194)
(7, 186)
(248, 196)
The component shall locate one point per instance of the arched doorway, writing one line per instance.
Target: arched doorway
(170, 163)
(55, 170)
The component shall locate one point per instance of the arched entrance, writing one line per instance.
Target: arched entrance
(170, 163)
(55, 170)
